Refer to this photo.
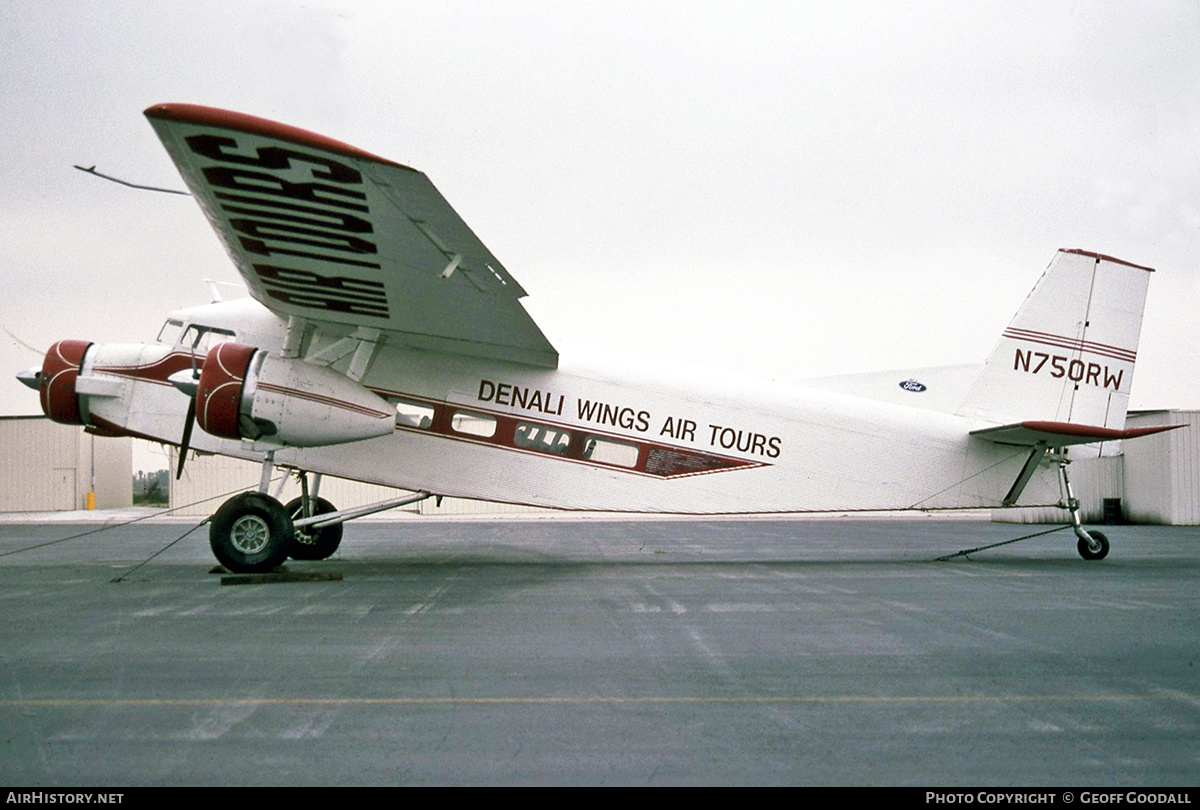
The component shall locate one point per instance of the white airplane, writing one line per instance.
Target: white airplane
(384, 343)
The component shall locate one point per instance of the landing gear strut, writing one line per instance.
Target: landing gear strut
(313, 542)
(1092, 545)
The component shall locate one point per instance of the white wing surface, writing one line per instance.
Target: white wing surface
(329, 233)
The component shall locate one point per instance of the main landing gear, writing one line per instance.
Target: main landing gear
(253, 533)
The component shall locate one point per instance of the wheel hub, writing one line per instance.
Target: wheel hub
(250, 534)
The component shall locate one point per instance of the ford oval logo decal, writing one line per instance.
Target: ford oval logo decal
(912, 385)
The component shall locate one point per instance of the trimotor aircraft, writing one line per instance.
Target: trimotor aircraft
(384, 343)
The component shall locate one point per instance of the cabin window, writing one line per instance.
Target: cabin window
(473, 424)
(542, 437)
(412, 414)
(202, 338)
(607, 451)
(170, 332)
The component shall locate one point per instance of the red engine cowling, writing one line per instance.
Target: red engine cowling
(219, 391)
(56, 390)
(246, 393)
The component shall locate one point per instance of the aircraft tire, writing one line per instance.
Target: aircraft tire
(314, 544)
(251, 533)
(1086, 551)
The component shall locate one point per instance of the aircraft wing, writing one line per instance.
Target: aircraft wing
(337, 236)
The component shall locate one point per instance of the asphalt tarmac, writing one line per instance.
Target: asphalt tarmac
(605, 652)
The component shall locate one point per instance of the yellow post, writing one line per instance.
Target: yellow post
(91, 501)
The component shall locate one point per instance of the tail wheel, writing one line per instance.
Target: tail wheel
(1099, 553)
(251, 533)
(312, 543)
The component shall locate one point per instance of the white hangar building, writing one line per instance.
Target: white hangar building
(45, 466)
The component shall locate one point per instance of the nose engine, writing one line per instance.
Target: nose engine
(55, 383)
(246, 393)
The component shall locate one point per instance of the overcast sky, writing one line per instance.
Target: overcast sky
(785, 189)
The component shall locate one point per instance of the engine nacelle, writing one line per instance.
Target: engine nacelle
(246, 393)
(56, 386)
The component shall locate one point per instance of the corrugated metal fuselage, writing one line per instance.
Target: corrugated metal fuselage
(600, 437)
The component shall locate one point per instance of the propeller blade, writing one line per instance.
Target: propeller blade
(21, 343)
(188, 422)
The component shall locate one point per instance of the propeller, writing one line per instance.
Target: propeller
(186, 381)
(187, 436)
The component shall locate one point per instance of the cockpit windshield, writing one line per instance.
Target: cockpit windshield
(195, 337)
(170, 332)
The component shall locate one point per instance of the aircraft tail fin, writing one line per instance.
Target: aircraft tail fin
(1068, 354)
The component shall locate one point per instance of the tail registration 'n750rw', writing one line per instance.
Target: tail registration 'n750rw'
(1072, 368)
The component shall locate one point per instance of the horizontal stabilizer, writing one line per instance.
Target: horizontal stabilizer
(1061, 434)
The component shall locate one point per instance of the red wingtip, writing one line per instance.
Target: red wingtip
(227, 119)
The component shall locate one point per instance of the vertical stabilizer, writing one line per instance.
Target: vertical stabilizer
(1069, 353)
